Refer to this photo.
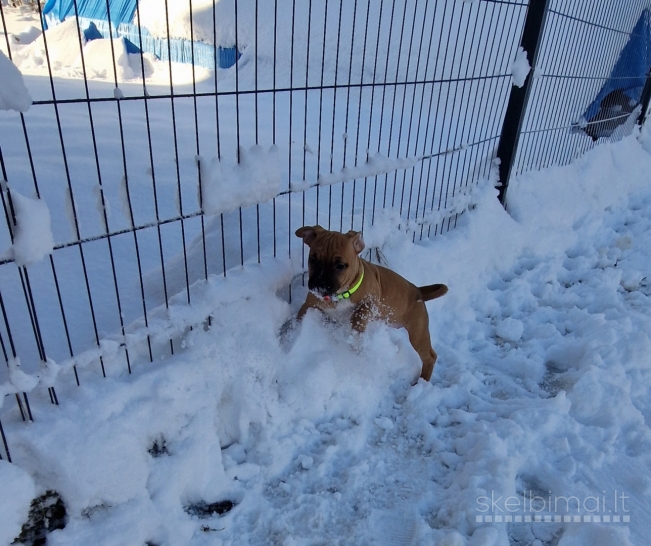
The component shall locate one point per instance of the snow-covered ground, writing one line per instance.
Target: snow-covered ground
(540, 394)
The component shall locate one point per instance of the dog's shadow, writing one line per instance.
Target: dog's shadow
(292, 327)
(288, 333)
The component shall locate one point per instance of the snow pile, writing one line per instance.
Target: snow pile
(17, 493)
(520, 68)
(165, 323)
(63, 46)
(27, 35)
(33, 238)
(226, 186)
(98, 58)
(220, 30)
(21, 381)
(63, 49)
(13, 93)
(66, 43)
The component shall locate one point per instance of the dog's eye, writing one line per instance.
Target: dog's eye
(340, 267)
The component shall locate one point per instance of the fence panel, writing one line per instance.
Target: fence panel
(565, 85)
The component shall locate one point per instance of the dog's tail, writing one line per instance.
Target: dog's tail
(432, 291)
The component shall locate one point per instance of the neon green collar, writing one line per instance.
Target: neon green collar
(345, 295)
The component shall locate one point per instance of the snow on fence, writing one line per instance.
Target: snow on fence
(138, 192)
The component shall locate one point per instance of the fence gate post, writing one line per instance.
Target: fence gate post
(645, 99)
(517, 105)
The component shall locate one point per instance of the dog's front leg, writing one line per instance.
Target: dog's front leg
(362, 314)
(310, 302)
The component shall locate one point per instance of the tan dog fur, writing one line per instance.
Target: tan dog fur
(334, 267)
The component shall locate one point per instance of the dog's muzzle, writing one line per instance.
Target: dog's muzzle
(319, 287)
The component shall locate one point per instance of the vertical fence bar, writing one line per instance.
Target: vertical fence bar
(517, 105)
(197, 147)
(257, 128)
(420, 119)
(305, 118)
(273, 114)
(645, 99)
(176, 151)
(448, 158)
(370, 118)
(4, 442)
(393, 108)
(359, 119)
(447, 110)
(429, 117)
(334, 113)
(237, 125)
(318, 152)
(404, 106)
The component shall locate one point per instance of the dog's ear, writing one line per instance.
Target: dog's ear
(356, 238)
(309, 233)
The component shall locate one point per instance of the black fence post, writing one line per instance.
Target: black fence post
(645, 99)
(517, 106)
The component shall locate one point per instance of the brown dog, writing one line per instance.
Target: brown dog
(336, 273)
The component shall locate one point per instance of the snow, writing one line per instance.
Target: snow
(18, 378)
(227, 185)
(510, 329)
(151, 15)
(27, 35)
(384, 423)
(18, 490)
(375, 165)
(520, 68)
(66, 44)
(33, 238)
(98, 58)
(547, 322)
(13, 93)
(61, 44)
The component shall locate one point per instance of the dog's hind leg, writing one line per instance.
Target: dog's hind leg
(428, 364)
(418, 329)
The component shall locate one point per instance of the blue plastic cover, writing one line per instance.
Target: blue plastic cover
(93, 18)
(623, 88)
(180, 51)
(121, 11)
(91, 33)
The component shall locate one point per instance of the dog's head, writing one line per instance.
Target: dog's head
(333, 264)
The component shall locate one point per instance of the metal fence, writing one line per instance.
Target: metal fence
(357, 106)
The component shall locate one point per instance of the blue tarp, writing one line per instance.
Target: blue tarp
(181, 51)
(622, 91)
(94, 22)
(121, 11)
